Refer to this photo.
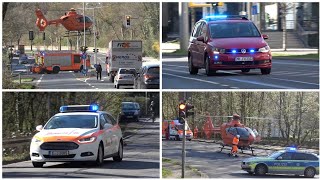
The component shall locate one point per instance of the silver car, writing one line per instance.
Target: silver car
(124, 77)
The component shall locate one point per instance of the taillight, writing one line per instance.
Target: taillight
(146, 76)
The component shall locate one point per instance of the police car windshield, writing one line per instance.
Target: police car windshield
(72, 121)
(275, 155)
(233, 30)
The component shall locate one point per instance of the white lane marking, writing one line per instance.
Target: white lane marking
(39, 80)
(200, 80)
(296, 81)
(262, 84)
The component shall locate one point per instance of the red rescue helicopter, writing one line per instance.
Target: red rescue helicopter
(229, 130)
(71, 21)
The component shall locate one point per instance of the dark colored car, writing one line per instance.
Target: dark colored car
(147, 77)
(228, 43)
(129, 111)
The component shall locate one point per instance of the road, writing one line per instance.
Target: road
(69, 79)
(141, 160)
(285, 74)
(207, 158)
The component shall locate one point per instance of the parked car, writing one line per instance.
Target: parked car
(147, 77)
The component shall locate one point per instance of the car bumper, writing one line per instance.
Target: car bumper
(125, 82)
(246, 168)
(227, 62)
(74, 155)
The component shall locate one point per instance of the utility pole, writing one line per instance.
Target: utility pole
(183, 139)
(84, 36)
(94, 41)
(184, 25)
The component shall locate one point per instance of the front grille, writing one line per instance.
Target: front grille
(242, 62)
(129, 113)
(63, 156)
(238, 51)
(59, 146)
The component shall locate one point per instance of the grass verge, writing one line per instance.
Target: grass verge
(15, 158)
(23, 80)
(166, 173)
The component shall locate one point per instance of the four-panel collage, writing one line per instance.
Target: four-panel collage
(160, 90)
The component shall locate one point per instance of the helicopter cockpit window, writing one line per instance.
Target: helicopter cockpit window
(88, 20)
(243, 132)
(251, 132)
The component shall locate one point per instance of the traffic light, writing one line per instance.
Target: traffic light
(44, 36)
(182, 113)
(189, 111)
(84, 48)
(31, 35)
(128, 20)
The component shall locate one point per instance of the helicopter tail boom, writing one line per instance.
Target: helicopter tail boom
(41, 22)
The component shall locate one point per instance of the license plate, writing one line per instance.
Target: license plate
(129, 116)
(244, 59)
(58, 153)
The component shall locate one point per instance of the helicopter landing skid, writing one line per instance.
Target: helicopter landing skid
(77, 33)
(241, 148)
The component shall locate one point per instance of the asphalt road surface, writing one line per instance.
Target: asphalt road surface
(141, 160)
(285, 74)
(69, 79)
(207, 158)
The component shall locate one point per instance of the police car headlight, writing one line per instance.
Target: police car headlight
(87, 140)
(36, 140)
(218, 50)
(264, 49)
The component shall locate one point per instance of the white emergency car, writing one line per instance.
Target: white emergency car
(77, 133)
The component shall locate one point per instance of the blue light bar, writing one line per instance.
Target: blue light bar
(291, 149)
(79, 108)
(234, 51)
(216, 17)
(252, 50)
(216, 57)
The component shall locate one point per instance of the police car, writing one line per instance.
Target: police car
(77, 133)
(289, 161)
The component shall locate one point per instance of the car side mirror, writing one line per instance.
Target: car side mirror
(279, 158)
(264, 36)
(107, 126)
(39, 127)
(200, 38)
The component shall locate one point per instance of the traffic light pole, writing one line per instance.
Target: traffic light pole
(84, 35)
(184, 144)
(183, 151)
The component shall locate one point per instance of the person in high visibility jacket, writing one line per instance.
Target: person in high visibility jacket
(235, 143)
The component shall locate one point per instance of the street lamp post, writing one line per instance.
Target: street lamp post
(94, 40)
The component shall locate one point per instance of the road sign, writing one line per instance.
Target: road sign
(84, 56)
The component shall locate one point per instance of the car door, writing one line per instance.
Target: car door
(106, 135)
(114, 135)
(299, 161)
(202, 45)
(194, 52)
(282, 164)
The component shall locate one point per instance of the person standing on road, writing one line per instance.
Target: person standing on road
(98, 71)
(235, 143)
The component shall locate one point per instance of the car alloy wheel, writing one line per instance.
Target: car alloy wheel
(192, 69)
(309, 172)
(261, 170)
(208, 71)
(119, 156)
(100, 158)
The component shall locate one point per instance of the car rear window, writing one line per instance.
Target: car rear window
(233, 30)
(72, 121)
(154, 70)
(127, 71)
